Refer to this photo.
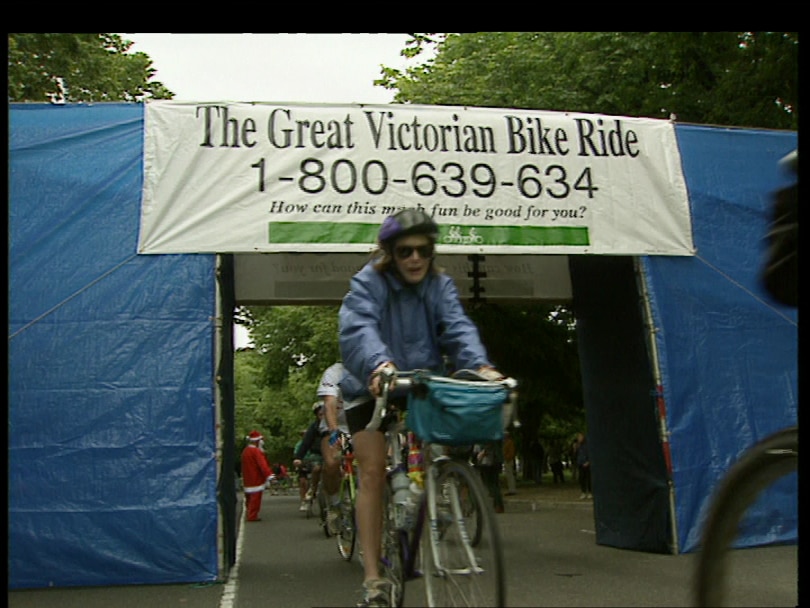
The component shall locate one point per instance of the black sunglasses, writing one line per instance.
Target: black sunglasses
(403, 252)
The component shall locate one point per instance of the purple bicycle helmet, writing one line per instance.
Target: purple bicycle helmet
(406, 222)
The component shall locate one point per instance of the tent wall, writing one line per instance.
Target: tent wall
(728, 353)
(629, 476)
(111, 443)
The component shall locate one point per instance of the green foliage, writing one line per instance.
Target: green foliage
(748, 79)
(279, 412)
(295, 338)
(536, 344)
(79, 68)
(276, 383)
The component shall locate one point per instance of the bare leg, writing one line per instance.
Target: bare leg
(314, 478)
(369, 447)
(302, 486)
(331, 467)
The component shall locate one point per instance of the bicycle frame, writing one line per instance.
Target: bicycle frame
(347, 467)
(346, 533)
(409, 541)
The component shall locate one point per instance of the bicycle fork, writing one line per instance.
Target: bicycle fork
(434, 517)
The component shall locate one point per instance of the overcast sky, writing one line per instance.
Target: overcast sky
(330, 68)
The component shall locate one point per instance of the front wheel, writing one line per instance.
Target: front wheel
(461, 547)
(346, 529)
(763, 464)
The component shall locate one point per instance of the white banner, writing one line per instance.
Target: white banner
(261, 177)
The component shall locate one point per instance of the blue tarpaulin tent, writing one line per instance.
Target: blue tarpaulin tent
(728, 351)
(113, 447)
(112, 469)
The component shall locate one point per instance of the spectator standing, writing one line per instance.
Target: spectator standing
(509, 463)
(256, 474)
(538, 457)
(584, 466)
(489, 459)
(555, 462)
(572, 459)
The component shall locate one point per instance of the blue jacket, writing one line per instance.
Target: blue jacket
(413, 326)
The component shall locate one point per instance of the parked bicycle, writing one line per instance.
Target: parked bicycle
(346, 532)
(280, 485)
(447, 534)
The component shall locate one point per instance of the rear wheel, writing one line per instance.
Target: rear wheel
(462, 556)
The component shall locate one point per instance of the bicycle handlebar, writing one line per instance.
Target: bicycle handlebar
(398, 379)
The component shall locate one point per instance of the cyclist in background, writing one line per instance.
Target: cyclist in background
(333, 425)
(401, 312)
(307, 457)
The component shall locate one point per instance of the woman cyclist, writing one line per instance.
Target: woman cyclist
(401, 312)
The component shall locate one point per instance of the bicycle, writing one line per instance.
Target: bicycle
(759, 468)
(279, 486)
(347, 528)
(449, 538)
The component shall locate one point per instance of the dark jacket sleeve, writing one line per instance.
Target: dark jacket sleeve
(308, 441)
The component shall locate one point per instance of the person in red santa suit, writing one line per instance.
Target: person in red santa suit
(255, 474)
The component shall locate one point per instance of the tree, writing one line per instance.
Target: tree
(546, 365)
(747, 79)
(79, 68)
(277, 381)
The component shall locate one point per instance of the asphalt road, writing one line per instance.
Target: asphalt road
(551, 555)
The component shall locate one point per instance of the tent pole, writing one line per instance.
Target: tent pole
(663, 430)
(224, 412)
(218, 349)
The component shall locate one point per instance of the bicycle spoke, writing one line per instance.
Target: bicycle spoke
(347, 532)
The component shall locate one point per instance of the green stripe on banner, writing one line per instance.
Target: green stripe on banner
(351, 233)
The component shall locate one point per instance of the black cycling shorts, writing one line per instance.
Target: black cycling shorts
(359, 416)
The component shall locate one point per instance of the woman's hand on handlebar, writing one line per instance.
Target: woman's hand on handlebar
(375, 383)
(490, 373)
